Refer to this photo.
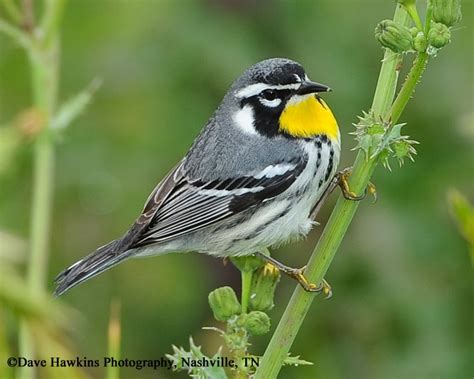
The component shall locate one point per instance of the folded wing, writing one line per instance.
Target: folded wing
(193, 204)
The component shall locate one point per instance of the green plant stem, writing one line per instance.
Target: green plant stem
(246, 284)
(411, 9)
(408, 88)
(114, 338)
(338, 223)
(44, 67)
(429, 15)
(44, 64)
(52, 19)
(44, 78)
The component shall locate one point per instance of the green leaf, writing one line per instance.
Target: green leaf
(296, 361)
(463, 213)
(180, 356)
(72, 109)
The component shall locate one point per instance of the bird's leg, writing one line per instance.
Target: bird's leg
(342, 181)
(298, 275)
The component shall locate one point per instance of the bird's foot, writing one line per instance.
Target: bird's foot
(343, 182)
(298, 275)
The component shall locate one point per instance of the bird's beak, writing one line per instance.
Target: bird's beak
(311, 87)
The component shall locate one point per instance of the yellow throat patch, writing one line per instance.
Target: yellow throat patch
(307, 118)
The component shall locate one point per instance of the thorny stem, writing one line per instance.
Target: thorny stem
(344, 210)
(408, 87)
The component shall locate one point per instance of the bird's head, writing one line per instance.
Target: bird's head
(276, 97)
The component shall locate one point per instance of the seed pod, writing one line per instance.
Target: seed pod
(257, 323)
(394, 36)
(439, 35)
(264, 282)
(447, 12)
(224, 303)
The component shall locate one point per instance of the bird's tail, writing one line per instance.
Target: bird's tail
(100, 260)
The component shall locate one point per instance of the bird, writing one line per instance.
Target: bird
(263, 163)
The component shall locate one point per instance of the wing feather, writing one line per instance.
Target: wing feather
(195, 204)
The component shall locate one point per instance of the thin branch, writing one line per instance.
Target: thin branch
(52, 18)
(408, 87)
(28, 19)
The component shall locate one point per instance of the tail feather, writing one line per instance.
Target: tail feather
(95, 263)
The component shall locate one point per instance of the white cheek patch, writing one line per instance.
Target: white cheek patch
(271, 103)
(244, 119)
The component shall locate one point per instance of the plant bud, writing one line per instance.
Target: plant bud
(375, 129)
(263, 287)
(414, 31)
(257, 323)
(247, 263)
(439, 35)
(447, 12)
(401, 149)
(420, 42)
(394, 36)
(224, 303)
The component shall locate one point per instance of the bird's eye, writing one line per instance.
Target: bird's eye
(269, 94)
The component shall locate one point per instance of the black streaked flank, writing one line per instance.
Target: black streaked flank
(329, 169)
(262, 227)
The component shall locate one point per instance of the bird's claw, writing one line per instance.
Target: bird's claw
(343, 182)
(298, 275)
(323, 288)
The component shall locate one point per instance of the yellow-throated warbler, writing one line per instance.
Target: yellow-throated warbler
(251, 179)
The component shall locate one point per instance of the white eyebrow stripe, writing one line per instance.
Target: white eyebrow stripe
(254, 89)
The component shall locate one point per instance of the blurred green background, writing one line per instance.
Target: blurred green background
(402, 278)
